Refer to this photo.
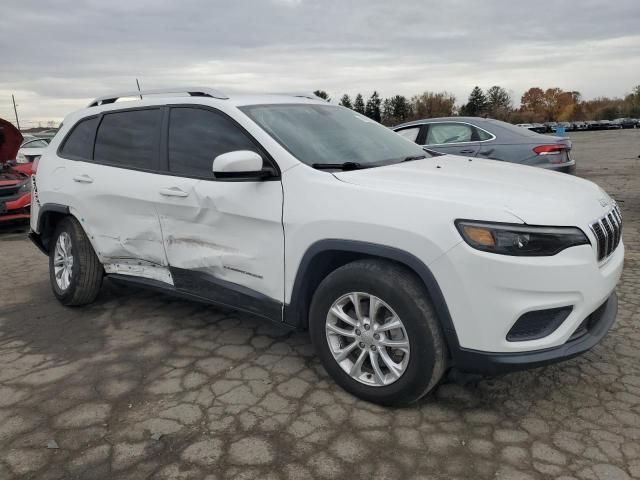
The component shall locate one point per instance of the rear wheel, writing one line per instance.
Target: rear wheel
(376, 334)
(74, 269)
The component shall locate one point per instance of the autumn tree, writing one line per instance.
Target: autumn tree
(533, 100)
(430, 104)
(345, 101)
(358, 104)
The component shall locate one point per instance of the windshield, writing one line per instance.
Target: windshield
(328, 134)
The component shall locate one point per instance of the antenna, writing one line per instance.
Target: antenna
(138, 83)
(15, 111)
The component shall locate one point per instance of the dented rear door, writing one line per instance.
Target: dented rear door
(223, 239)
(115, 193)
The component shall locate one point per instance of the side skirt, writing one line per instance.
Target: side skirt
(203, 288)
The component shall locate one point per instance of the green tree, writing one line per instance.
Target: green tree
(358, 104)
(499, 103)
(476, 105)
(387, 112)
(401, 108)
(345, 101)
(372, 109)
(322, 94)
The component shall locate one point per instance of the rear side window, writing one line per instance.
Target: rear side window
(483, 134)
(410, 133)
(129, 139)
(197, 136)
(79, 143)
(440, 133)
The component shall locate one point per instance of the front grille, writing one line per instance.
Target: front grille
(608, 232)
(9, 191)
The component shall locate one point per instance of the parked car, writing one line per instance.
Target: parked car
(15, 182)
(624, 122)
(580, 126)
(400, 264)
(568, 126)
(31, 150)
(551, 126)
(490, 139)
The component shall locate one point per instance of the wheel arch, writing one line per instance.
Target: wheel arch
(325, 256)
(49, 215)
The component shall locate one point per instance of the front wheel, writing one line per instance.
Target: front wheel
(74, 269)
(376, 333)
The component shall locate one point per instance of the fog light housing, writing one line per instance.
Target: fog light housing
(538, 324)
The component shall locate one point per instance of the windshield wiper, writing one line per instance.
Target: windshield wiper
(414, 157)
(338, 166)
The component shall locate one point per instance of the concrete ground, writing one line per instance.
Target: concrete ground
(139, 385)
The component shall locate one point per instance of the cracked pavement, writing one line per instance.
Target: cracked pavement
(141, 385)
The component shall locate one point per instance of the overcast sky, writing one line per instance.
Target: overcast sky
(58, 55)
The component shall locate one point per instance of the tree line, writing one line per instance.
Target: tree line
(536, 105)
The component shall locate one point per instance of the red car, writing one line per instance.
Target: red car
(15, 180)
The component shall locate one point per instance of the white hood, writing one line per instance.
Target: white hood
(535, 195)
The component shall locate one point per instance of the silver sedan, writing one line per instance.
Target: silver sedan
(491, 139)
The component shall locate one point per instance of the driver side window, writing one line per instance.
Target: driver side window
(442, 133)
(197, 136)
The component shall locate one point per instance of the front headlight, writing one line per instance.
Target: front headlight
(519, 240)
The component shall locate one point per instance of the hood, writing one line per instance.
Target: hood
(10, 141)
(534, 195)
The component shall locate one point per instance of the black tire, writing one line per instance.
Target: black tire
(86, 271)
(406, 295)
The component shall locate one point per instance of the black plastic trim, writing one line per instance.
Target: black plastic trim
(228, 294)
(475, 361)
(296, 312)
(37, 241)
(50, 207)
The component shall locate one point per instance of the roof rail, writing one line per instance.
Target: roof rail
(192, 91)
(310, 96)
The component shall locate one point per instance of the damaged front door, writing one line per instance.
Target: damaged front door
(223, 239)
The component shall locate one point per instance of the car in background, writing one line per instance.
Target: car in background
(551, 126)
(568, 126)
(579, 126)
(625, 122)
(31, 150)
(534, 127)
(15, 181)
(490, 139)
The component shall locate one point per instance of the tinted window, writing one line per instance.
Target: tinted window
(410, 133)
(440, 133)
(79, 144)
(129, 139)
(197, 136)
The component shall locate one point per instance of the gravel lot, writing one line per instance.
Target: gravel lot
(140, 385)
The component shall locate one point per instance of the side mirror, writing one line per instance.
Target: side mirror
(239, 164)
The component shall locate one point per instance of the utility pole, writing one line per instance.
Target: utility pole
(15, 111)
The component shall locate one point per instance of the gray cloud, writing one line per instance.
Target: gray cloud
(58, 55)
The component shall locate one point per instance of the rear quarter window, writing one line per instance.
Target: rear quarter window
(79, 143)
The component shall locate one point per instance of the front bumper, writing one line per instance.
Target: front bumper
(486, 294)
(15, 208)
(600, 321)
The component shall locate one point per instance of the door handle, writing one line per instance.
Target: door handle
(173, 192)
(84, 178)
(467, 152)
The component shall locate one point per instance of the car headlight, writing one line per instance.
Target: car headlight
(519, 240)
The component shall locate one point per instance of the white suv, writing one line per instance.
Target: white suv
(401, 264)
